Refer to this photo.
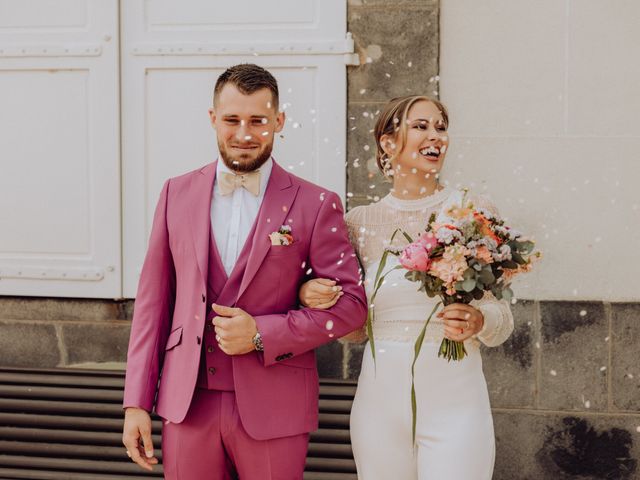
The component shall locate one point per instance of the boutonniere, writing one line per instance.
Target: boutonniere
(282, 236)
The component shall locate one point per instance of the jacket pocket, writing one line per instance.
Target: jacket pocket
(279, 250)
(175, 337)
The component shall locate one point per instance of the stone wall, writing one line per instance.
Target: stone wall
(565, 387)
(397, 42)
(49, 332)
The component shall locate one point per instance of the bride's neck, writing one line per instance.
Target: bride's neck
(412, 186)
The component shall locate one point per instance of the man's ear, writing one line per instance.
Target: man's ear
(280, 118)
(212, 117)
(388, 145)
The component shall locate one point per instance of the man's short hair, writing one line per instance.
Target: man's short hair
(248, 78)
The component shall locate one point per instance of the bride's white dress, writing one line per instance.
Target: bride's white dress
(454, 434)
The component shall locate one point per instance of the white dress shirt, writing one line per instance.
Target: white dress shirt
(232, 216)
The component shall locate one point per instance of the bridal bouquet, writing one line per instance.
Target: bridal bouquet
(463, 253)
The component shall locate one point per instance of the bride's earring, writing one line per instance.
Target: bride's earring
(387, 169)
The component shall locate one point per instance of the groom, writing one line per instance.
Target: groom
(218, 343)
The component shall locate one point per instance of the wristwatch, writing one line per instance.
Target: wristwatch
(257, 342)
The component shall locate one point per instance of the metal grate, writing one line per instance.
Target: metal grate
(63, 424)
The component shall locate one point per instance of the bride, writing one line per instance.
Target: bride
(454, 428)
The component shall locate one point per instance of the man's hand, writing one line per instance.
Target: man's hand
(234, 329)
(136, 436)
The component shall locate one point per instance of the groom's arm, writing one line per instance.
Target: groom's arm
(330, 256)
(153, 308)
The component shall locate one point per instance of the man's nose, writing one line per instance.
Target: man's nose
(243, 131)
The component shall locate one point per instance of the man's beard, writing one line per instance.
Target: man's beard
(239, 163)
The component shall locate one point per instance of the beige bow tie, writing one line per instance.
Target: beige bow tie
(228, 182)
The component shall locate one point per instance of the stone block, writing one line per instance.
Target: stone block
(28, 344)
(575, 356)
(355, 351)
(364, 181)
(510, 369)
(392, 3)
(399, 48)
(552, 446)
(625, 374)
(329, 360)
(96, 342)
(28, 308)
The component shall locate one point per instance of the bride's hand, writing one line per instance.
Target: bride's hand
(461, 321)
(320, 293)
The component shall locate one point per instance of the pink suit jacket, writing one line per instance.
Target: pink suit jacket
(276, 390)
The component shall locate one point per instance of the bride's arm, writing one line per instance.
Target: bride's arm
(498, 320)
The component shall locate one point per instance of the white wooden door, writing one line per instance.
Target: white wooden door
(172, 53)
(59, 148)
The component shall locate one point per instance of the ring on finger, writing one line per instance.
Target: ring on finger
(468, 325)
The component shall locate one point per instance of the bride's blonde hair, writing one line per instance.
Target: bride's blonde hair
(393, 123)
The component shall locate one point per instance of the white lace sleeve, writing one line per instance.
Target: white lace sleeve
(498, 319)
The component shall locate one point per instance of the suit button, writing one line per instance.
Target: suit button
(212, 370)
(210, 349)
(203, 299)
(209, 328)
(199, 340)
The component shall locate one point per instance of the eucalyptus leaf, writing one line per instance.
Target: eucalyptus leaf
(469, 284)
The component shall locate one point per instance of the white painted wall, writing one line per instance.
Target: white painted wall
(59, 148)
(544, 99)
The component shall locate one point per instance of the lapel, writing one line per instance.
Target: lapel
(200, 198)
(274, 212)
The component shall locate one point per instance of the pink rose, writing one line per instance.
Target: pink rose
(415, 256)
(429, 241)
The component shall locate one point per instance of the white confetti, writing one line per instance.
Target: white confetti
(553, 373)
(583, 313)
(362, 91)
(329, 325)
(334, 229)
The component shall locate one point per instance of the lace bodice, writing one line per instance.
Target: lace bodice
(400, 309)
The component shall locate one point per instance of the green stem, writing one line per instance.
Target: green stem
(416, 349)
